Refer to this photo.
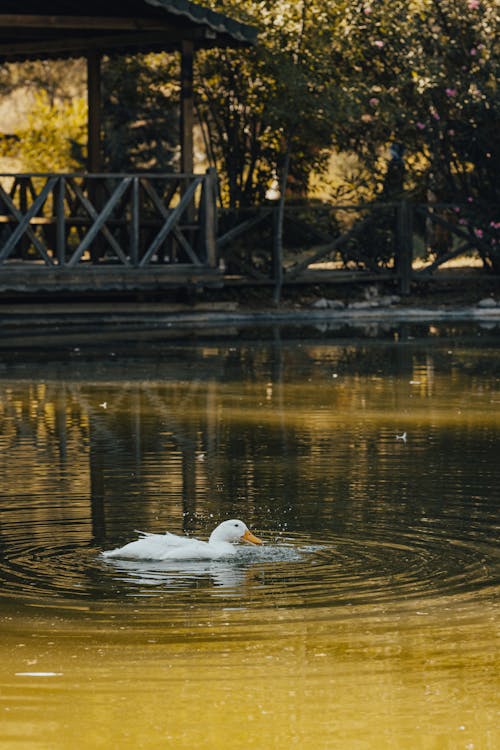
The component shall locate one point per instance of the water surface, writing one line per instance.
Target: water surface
(368, 620)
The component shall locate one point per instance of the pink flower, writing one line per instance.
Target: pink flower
(367, 10)
(473, 4)
(451, 92)
(470, 199)
(420, 126)
(379, 43)
(374, 101)
(478, 232)
(435, 115)
(473, 51)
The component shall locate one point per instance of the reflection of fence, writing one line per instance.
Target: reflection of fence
(74, 221)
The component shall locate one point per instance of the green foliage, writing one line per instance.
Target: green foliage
(357, 77)
(53, 138)
(61, 80)
(141, 113)
(425, 74)
(261, 104)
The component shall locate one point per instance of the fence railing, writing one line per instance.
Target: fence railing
(148, 221)
(399, 240)
(71, 220)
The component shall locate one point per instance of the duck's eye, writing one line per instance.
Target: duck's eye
(237, 525)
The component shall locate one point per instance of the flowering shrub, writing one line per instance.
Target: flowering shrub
(436, 79)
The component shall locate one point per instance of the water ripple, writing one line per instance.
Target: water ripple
(293, 570)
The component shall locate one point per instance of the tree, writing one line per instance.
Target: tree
(425, 74)
(276, 102)
(61, 80)
(52, 136)
(141, 112)
(53, 139)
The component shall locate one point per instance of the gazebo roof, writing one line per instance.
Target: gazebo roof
(67, 28)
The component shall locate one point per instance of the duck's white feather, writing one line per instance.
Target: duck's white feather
(174, 547)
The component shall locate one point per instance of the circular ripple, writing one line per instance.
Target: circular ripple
(292, 570)
(37, 570)
(360, 571)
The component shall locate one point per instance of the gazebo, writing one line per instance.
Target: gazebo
(98, 231)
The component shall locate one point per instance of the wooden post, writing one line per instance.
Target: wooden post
(94, 161)
(135, 224)
(404, 246)
(24, 244)
(209, 216)
(277, 253)
(187, 107)
(59, 194)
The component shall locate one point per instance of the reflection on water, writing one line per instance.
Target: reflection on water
(369, 618)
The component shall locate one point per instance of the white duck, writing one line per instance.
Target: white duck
(173, 547)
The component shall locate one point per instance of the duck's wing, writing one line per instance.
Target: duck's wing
(148, 547)
(155, 547)
(171, 540)
(174, 540)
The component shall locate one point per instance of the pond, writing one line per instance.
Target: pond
(367, 461)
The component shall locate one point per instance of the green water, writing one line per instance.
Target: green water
(369, 619)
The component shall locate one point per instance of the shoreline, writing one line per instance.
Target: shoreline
(113, 329)
(217, 313)
(28, 340)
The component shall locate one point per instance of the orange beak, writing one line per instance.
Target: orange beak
(249, 537)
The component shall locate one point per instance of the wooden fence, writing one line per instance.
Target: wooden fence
(70, 223)
(143, 231)
(398, 241)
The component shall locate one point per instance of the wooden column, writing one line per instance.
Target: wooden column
(208, 214)
(94, 159)
(187, 106)
(404, 246)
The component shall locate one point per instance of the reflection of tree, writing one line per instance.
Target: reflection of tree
(262, 431)
(40, 426)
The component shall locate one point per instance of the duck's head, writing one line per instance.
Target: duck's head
(233, 531)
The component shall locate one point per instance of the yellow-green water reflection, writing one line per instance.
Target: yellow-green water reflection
(396, 681)
(369, 621)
